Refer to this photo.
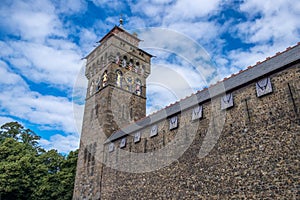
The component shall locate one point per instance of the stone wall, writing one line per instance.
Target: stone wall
(255, 155)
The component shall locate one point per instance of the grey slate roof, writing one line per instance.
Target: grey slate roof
(269, 66)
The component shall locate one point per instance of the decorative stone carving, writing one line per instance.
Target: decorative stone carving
(227, 101)
(117, 59)
(104, 79)
(130, 66)
(263, 87)
(153, 131)
(197, 112)
(123, 143)
(173, 122)
(137, 137)
(111, 147)
(119, 78)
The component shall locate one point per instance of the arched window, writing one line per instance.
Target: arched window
(98, 83)
(138, 87)
(130, 64)
(118, 58)
(92, 87)
(129, 83)
(137, 67)
(94, 69)
(105, 58)
(119, 76)
(90, 73)
(101, 62)
(143, 69)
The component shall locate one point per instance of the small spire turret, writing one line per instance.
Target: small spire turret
(121, 21)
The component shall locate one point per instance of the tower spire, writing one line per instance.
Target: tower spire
(121, 21)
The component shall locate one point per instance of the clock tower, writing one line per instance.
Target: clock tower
(116, 96)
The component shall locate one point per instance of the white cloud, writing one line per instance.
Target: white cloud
(191, 9)
(88, 39)
(17, 100)
(150, 10)
(204, 32)
(112, 4)
(9, 78)
(31, 20)
(43, 63)
(50, 111)
(64, 144)
(4, 120)
(276, 28)
(72, 6)
(181, 59)
(278, 22)
(160, 97)
(168, 83)
(6, 50)
(172, 41)
(45, 111)
(137, 22)
(253, 55)
(161, 1)
(42, 54)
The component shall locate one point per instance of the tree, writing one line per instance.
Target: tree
(29, 172)
(28, 137)
(18, 132)
(60, 170)
(16, 167)
(10, 130)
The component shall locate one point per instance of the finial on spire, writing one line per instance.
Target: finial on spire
(121, 21)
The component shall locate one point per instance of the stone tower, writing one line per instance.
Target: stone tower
(116, 96)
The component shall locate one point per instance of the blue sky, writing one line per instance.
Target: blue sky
(42, 43)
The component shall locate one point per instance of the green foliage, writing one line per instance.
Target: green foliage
(30, 172)
(18, 132)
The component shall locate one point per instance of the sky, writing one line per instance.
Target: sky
(42, 83)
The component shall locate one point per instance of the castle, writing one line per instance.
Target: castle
(236, 139)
